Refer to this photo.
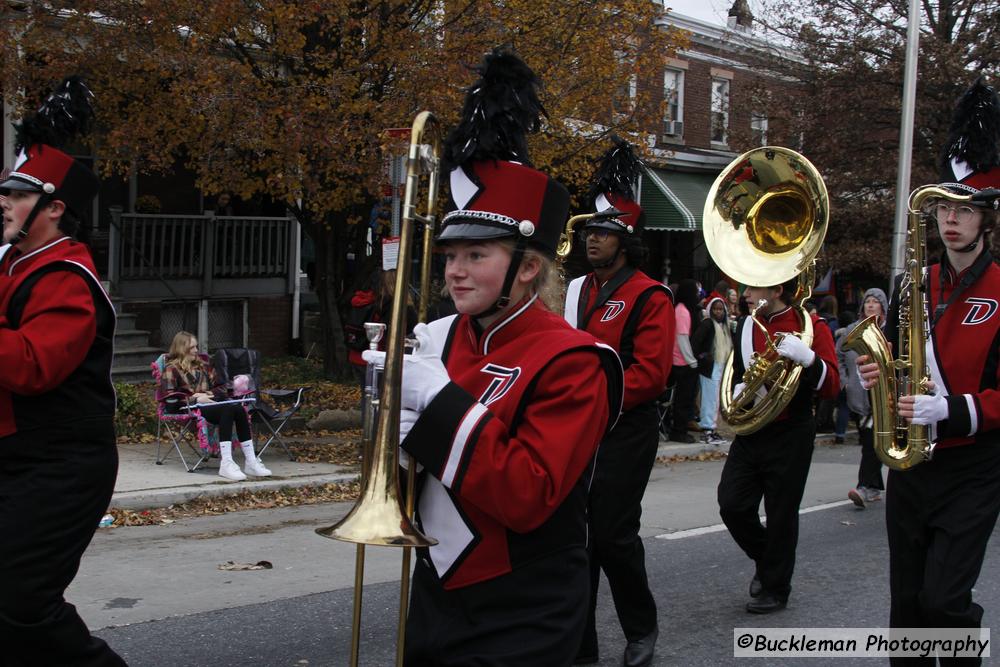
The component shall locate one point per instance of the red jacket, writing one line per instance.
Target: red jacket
(822, 377)
(637, 320)
(56, 361)
(507, 441)
(963, 354)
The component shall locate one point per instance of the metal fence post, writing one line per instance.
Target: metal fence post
(114, 248)
(208, 255)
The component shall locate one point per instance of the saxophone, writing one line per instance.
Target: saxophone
(899, 445)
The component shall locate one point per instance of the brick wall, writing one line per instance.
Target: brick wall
(747, 91)
(270, 321)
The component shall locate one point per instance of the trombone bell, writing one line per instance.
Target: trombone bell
(378, 518)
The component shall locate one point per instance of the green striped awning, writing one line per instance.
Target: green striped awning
(674, 201)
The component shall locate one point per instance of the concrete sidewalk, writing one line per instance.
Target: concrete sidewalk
(142, 484)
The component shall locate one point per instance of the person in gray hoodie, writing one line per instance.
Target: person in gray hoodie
(870, 486)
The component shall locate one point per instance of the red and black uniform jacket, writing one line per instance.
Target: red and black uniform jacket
(56, 341)
(823, 376)
(963, 352)
(636, 318)
(507, 442)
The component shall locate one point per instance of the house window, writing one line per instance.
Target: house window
(758, 128)
(673, 97)
(720, 111)
(623, 101)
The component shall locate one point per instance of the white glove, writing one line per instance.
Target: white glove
(424, 376)
(407, 418)
(929, 409)
(792, 348)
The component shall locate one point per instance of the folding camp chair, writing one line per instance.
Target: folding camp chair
(230, 362)
(189, 427)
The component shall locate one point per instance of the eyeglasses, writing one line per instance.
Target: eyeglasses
(962, 213)
(599, 234)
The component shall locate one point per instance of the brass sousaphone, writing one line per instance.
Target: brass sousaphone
(764, 223)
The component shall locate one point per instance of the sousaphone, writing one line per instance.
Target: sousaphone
(764, 223)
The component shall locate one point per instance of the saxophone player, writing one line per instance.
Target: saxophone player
(940, 514)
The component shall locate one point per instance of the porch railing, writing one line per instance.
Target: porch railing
(200, 255)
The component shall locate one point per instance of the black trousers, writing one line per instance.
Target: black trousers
(685, 381)
(530, 617)
(870, 469)
(624, 462)
(939, 517)
(53, 492)
(772, 464)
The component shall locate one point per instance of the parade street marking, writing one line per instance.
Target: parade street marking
(719, 527)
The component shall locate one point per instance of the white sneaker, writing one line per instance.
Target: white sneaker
(229, 470)
(254, 467)
(857, 496)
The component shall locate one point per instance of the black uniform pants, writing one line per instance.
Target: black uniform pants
(530, 617)
(870, 469)
(685, 380)
(53, 492)
(624, 462)
(939, 517)
(772, 463)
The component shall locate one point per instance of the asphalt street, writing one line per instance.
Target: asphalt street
(158, 596)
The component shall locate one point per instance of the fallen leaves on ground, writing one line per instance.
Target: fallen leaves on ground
(341, 448)
(715, 455)
(233, 566)
(238, 502)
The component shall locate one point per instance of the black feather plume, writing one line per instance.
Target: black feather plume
(500, 109)
(66, 113)
(618, 172)
(974, 136)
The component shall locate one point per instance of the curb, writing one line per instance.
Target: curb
(164, 497)
(152, 498)
(669, 448)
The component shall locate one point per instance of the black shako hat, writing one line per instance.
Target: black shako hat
(41, 165)
(613, 187)
(495, 192)
(971, 159)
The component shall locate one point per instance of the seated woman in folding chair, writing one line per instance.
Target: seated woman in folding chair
(189, 379)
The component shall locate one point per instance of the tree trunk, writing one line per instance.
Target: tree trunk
(328, 289)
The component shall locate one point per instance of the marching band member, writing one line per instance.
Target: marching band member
(58, 458)
(773, 462)
(626, 309)
(940, 514)
(504, 407)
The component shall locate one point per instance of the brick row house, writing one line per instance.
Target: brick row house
(717, 95)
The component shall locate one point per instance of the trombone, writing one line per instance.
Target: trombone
(380, 516)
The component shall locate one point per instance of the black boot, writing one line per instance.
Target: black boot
(640, 652)
(767, 603)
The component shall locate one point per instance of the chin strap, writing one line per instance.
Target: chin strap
(43, 201)
(972, 246)
(508, 281)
